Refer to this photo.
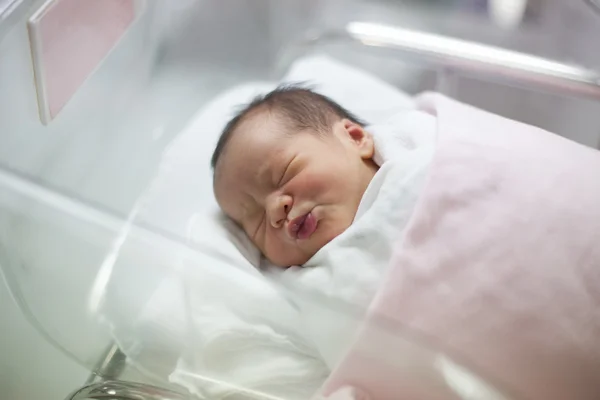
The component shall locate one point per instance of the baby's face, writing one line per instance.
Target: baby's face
(292, 193)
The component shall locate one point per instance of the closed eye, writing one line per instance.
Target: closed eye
(283, 180)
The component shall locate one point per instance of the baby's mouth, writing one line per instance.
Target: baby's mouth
(303, 227)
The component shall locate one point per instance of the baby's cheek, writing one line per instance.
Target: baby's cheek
(315, 183)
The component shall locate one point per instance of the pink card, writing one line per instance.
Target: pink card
(69, 40)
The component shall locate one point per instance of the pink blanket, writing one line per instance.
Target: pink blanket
(499, 268)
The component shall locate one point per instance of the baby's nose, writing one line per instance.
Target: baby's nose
(279, 209)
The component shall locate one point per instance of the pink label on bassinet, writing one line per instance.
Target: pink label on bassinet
(69, 39)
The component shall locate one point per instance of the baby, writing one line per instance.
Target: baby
(291, 168)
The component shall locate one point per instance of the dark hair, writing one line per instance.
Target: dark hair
(298, 106)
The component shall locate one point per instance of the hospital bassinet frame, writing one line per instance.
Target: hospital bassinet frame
(450, 58)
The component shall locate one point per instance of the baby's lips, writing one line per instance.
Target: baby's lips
(294, 226)
(308, 227)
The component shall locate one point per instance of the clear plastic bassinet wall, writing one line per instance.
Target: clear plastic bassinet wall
(85, 246)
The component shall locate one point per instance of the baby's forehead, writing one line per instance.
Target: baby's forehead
(259, 133)
(253, 145)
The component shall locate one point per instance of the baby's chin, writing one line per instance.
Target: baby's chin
(297, 255)
(302, 254)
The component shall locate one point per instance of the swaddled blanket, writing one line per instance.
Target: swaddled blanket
(348, 270)
(498, 267)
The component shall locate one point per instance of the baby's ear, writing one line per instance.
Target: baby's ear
(362, 139)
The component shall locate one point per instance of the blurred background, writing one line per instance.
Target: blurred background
(105, 144)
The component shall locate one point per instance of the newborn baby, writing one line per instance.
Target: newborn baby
(291, 168)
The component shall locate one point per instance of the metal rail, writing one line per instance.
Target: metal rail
(464, 58)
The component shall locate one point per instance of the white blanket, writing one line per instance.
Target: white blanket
(334, 288)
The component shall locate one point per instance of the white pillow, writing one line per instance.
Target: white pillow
(226, 298)
(365, 95)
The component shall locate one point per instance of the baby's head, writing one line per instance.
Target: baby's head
(291, 169)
